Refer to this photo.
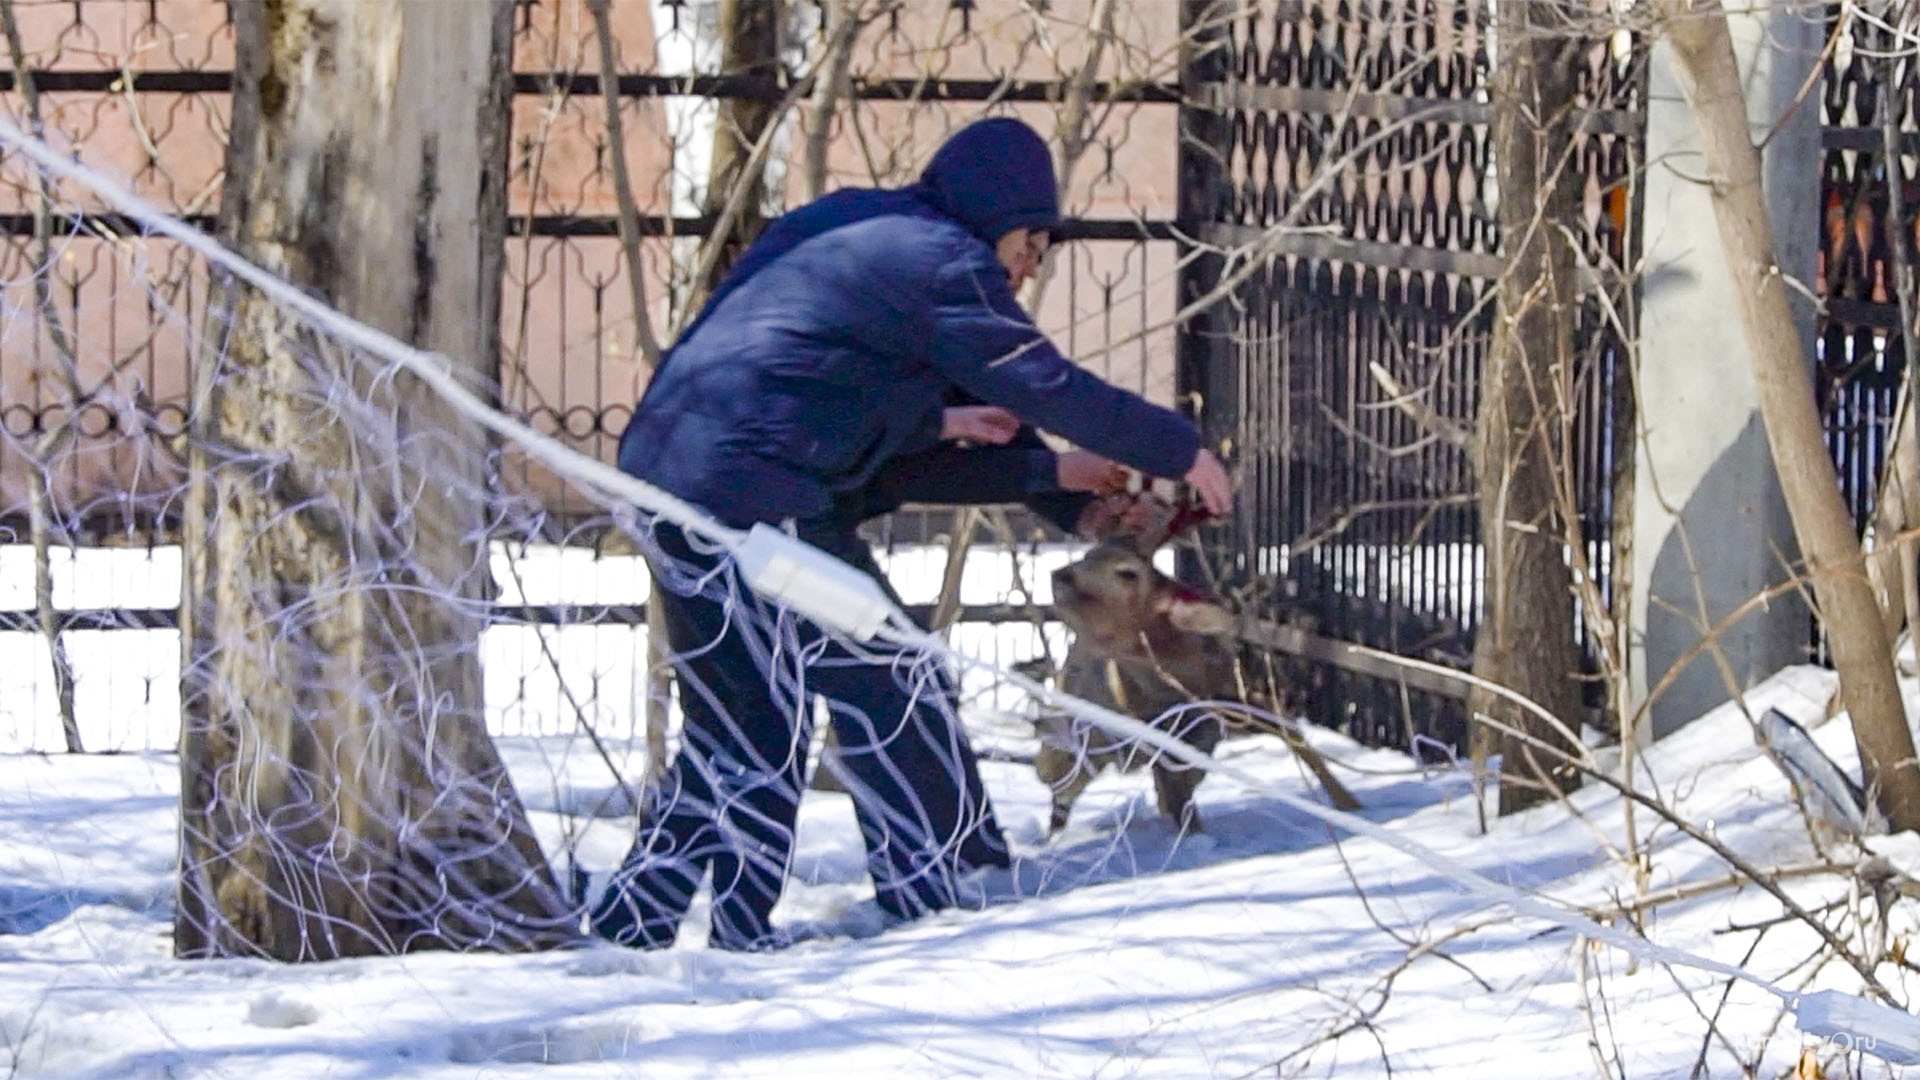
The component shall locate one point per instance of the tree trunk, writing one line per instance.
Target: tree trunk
(1703, 49)
(1525, 637)
(749, 45)
(1896, 508)
(657, 706)
(339, 793)
(841, 21)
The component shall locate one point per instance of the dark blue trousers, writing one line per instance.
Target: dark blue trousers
(728, 802)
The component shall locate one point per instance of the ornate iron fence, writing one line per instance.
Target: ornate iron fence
(1343, 372)
(1870, 97)
(142, 89)
(1366, 122)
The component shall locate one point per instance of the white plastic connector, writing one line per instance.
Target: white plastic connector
(1856, 1023)
(810, 582)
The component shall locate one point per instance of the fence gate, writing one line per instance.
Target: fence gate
(1348, 143)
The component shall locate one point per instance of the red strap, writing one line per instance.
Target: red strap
(1190, 514)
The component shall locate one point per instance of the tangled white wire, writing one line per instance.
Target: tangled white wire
(812, 584)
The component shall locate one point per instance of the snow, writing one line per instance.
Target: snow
(1116, 949)
(127, 694)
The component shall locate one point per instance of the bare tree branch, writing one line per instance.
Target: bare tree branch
(629, 220)
(40, 494)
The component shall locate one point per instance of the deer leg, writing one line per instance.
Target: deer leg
(1063, 764)
(1174, 783)
(1066, 774)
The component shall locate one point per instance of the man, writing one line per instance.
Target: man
(827, 354)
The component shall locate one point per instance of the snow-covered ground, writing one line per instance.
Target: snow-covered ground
(1113, 950)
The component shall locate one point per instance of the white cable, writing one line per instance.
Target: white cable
(798, 578)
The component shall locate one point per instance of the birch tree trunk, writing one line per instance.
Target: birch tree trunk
(339, 793)
(1525, 638)
(1710, 79)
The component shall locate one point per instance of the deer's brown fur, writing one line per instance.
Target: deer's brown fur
(1144, 644)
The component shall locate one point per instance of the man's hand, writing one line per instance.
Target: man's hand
(979, 423)
(1084, 470)
(1104, 516)
(1209, 480)
(1124, 515)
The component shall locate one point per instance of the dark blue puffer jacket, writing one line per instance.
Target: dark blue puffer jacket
(828, 350)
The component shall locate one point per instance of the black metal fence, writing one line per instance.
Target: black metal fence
(1343, 373)
(1872, 84)
(142, 89)
(1367, 123)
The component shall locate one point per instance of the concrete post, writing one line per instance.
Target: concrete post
(1710, 529)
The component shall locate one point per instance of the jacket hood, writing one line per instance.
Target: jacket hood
(992, 177)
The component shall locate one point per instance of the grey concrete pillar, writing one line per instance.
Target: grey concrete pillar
(1710, 528)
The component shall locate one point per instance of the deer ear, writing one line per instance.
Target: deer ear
(1191, 613)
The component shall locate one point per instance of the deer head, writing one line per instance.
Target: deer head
(1118, 600)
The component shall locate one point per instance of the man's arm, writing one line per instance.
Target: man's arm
(985, 343)
(1024, 471)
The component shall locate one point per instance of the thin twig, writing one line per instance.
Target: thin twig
(40, 493)
(1732, 858)
(629, 214)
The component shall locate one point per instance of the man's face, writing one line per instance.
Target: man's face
(1021, 251)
